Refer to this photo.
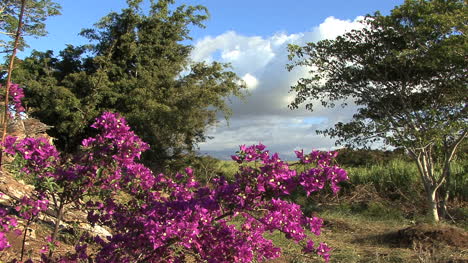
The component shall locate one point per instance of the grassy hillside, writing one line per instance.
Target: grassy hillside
(379, 216)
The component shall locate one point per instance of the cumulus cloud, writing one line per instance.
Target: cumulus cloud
(250, 81)
(333, 27)
(264, 116)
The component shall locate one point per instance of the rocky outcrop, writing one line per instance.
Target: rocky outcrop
(29, 127)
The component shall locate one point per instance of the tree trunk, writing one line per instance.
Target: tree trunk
(427, 177)
(432, 183)
(9, 72)
(449, 152)
(445, 194)
(432, 200)
(58, 220)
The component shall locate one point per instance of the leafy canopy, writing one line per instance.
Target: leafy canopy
(406, 72)
(36, 12)
(137, 64)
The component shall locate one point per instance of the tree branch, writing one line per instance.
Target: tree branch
(449, 156)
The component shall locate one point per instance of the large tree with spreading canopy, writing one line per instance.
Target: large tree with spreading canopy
(406, 73)
(137, 63)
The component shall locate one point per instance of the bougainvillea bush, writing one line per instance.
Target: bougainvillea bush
(160, 218)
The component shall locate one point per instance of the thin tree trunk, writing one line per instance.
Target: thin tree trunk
(23, 242)
(432, 200)
(445, 191)
(449, 152)
(446, 195)
(57, 226)
(10, 70)
(430, 187)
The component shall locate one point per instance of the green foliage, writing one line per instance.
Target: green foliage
(139, 65)
(207, 167)
(398, 177)
(365, 157)
(36, 12)
(405, 71)
(395, 175)
(394, 179)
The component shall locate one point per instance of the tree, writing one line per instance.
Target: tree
(406, 73)
(137, 64)
(17, 19)
(35, 14)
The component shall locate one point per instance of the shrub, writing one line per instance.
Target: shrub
(159, 218)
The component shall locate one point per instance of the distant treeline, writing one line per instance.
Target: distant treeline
(368, 157)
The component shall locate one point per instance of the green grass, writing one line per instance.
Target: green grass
(228, 168)
(399, 179)
(357, 237)
(347, 244)
(378, 200)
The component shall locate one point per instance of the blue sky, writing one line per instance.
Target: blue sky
(246, 17)
(253, 36)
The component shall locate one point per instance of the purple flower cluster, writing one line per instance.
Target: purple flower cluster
(286, 217)
(322, 249)
(110, 157)
(30, 208)
(40, 156)
(321, 158)
(251, 153)
(116, 139)
(50, 244)
(16, 94)
(316, 178)
(159, 218)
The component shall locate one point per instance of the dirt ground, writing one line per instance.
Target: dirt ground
(356, 240)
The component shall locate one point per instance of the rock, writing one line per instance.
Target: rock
(31, 233)
(13, 188)
(96, 230)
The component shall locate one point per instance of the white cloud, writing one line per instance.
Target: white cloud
(264, 116)
(333, 27)
(231, 54)
(250, 81)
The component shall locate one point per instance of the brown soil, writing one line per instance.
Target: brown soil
(433, 234)
(423, 235)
